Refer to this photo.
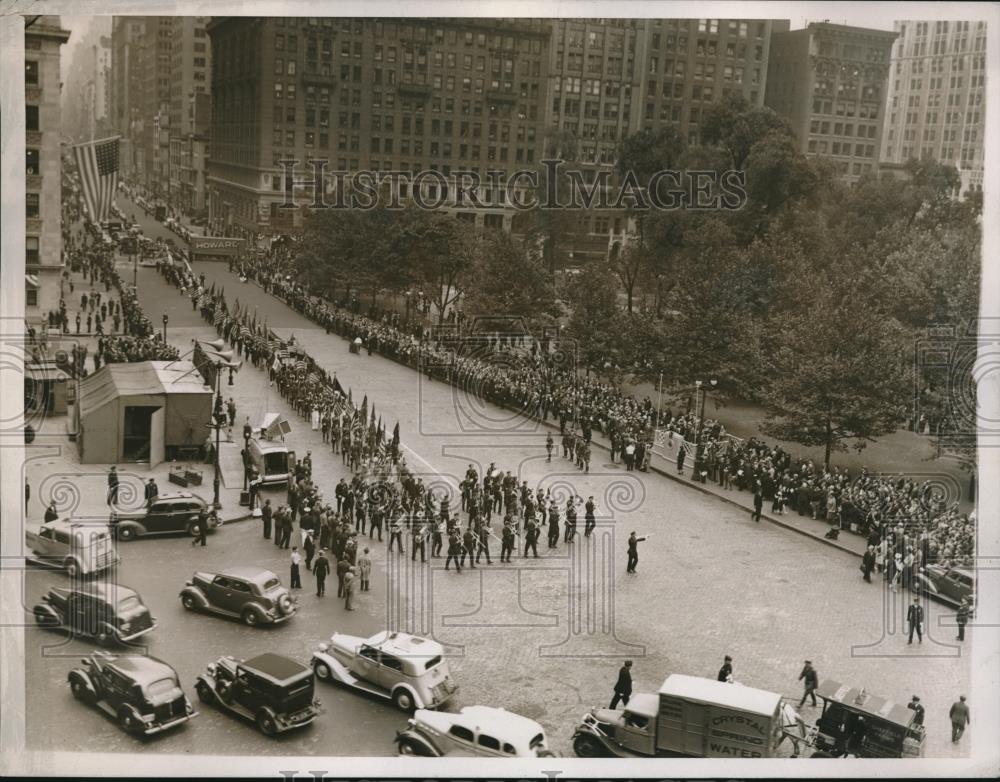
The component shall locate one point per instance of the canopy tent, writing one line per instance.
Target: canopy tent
(147, 411)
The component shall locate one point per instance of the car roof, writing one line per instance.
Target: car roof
(103, 591)
(734, 696)
(140, 668)
(248, 573)
(861, 700)
(499, 723)
(276, 667)
(177, 495)
(405, 645)
(67, 523)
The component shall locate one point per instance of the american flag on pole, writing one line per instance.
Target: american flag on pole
(97, 162)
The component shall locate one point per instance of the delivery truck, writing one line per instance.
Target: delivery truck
(694, 717)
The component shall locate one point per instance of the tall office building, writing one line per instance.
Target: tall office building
(937, 97)
(43, 262)
(392, 94)
(155, 104)
(689, 64)
(190, 109)
(127, 73)
(829, 82)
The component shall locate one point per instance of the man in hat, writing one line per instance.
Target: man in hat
(959, 716)
(868, 563)
(296, 558)
(915, 618)
(623, 687)
(113, 485)
(918, 710)
(151, 491)
(633, 551)
(726, 670)
(962, 619)
(320, 568)
(811, 683)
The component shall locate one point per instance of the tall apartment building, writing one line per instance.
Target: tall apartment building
(379, 94)
(937, 97)
(43, 262)
(127, 73)
(155, 103)
(189, 114)
(594, 84)
(689, 64)
(85, 97)
(829, 81)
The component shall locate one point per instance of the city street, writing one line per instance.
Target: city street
(542, 638)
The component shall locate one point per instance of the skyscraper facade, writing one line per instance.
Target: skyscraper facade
(829, 81)
(937, 97)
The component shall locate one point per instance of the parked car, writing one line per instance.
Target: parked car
(475, 730)
(170, 513)
(274, 692)
(253, 595)
(948, 584)
(408, 670)
(106, 612)
(78, 547)
(142, 693)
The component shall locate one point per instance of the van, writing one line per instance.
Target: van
(272, 460)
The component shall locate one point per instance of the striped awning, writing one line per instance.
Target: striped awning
(31, 280)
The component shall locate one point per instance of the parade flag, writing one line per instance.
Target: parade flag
(219, 317)
(97, 162)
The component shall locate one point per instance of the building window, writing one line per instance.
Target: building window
(31, 162)
(31, 204)
(31, 117)
(31, 249)
(31, 72)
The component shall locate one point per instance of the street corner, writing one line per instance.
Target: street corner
(887, 634)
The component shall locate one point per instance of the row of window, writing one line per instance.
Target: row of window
(842, 129)
(841, 148)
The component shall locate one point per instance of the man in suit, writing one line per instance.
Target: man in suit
(296, 580)
(962, 618)
(623, 687)
(758, 502)
(320, 569)
(959, 715)
(918, 710)
(507, 541)
(531, 535)
(266, 513)
(113, 485)
(868, 563)
(633, 551)
(202, 535)
(151, 492)
(915, 618)
(726, 670)
(454, 552)
(811, 683)
(589, 519)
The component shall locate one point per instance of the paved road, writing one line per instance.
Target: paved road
(543, 638)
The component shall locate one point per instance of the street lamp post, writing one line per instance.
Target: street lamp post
(217, 425)
(165, 328)
(699, 453)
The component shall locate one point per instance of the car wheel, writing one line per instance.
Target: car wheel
(322, 671)
(266, 724)
(205, 694)
(72, 566)
(249, 617)
(402, 699)
(410, 747)
(188, 602)
(285, 605)
(127, 722)
(80, 691)
(192, 529)
(126, 534)
(586, 746)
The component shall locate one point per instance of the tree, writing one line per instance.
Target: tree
(550, 227)
(630, 265)
(737, 127)
(594, 314)
(837, 375)
(506, 279)
(443, 250)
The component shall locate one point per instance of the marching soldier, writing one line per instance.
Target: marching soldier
(588, 516)
(507, 542)
(454, 552)
(419, 535)
(469, 542)
(396, 534)
(531, 535)
(437, 539)
(483, 546)
(553, 525)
